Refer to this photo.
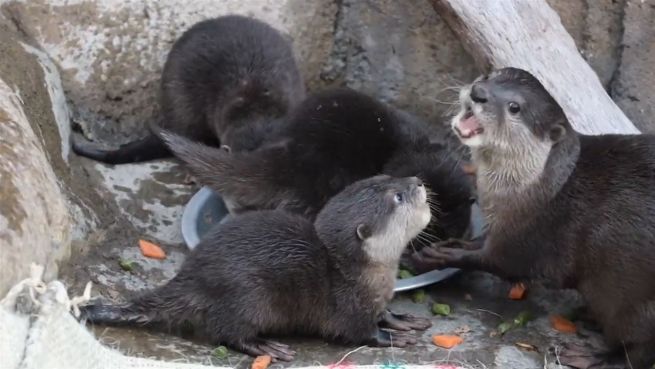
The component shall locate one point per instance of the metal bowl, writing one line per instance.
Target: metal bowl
(207, 208)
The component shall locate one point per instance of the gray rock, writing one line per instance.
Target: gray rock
(602, 37)
(634, 86)
(595, 25)
(35, 221)
(401, 52)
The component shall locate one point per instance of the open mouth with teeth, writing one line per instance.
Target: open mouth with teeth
(468, 126)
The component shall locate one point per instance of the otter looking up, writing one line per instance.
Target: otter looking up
(273, 272)
(573, 210)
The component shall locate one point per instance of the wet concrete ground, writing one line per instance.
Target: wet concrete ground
(150, 199)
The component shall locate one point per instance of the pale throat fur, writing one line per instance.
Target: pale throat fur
(510, 163)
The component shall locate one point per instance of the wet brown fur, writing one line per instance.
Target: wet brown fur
(273, 272)
(580, 214)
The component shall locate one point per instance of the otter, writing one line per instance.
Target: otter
(226, 81)
(274, 272)
(447, 181)
(332, 139)
(573, 210)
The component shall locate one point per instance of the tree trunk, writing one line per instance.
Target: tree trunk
(528, 34)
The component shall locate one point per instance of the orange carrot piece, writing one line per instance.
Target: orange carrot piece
(446, 341)
(150, 250)
(261, 362)
(563, 325)
(517, 292)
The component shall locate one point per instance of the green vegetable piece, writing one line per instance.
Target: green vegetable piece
(126, 265)
(220, 352)
(523, 318)
(520, 320)
(504, 327)
(441, 309)
(419, 297)
(404, 274)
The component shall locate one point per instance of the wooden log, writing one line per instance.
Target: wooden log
(528, 34)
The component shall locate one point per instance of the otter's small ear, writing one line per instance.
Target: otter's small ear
(363, 232)
(557, 132)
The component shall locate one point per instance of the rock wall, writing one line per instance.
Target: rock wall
(633, 87)
(35, 221)
(111, 52)
(46, 203)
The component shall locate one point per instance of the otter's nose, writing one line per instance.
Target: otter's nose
(416, 181)
(479, 93)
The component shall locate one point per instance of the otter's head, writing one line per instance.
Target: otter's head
(450, 188)
(244, 117)
(509, 109)
(374, 217)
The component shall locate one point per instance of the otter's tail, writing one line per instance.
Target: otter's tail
(172, 305)
(147, 148)
(116, 315)
(256, 179)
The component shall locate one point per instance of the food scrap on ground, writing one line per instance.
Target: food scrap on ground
(517, 292)
(446, 341)
(220, 352)
(150, 250)
(504, 327)
(419, 297)
(462, 330)
(526, 346)
(261, 362)
(440, 309)
(404, 274)
(520, 320)
(562, 324)
(523, 318)
(126, 265)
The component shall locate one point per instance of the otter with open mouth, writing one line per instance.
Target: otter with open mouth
(573, 210)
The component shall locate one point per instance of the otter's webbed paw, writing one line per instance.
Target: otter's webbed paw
(382, 338)
(583, 357)
(451, 253)
(258, 347)
(403, 322)
(189, 179)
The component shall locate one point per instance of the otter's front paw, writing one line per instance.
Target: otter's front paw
(257, 347)
(585, 357)
(404, 322)
(390, 339)
(456, 243)
(439, 257)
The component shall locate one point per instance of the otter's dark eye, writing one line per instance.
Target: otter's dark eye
(399, 198)
(513, 107)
